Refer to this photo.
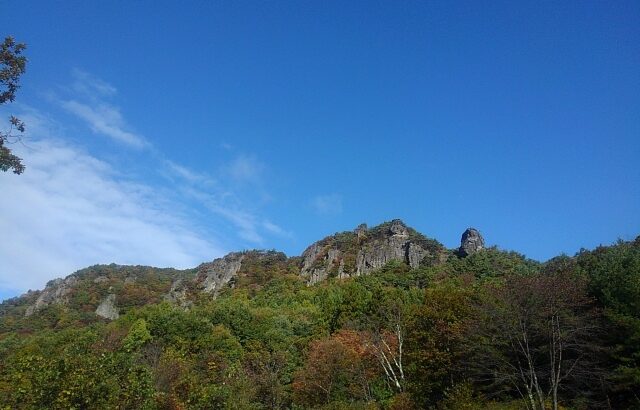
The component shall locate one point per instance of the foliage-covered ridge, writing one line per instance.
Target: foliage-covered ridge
(489, 329)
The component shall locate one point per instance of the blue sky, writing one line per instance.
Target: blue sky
(168, 134)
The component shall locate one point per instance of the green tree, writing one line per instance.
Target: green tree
(12, 66)
(614, 279)
(435, 336)
(138, 335)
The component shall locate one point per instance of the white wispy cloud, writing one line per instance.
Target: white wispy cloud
(90, 85)
(87, 98)
(276, 229)
(225, 204)
(189, 175)
(222, 195)
(71, 210)
(105, 119)
(330, 204)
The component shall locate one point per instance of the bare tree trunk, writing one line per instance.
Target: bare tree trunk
(390, 356)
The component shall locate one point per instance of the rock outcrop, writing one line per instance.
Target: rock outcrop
(137, 284)
(56, 292)
(365, 250)
(107, 308)
(178, 294)
(471, 242)
(247, 266)
(213, 276)
(361, 231)
(319, 260)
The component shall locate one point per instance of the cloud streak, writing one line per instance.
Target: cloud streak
(106, 120)
(90, 85)
(71, 210)
(90, 105)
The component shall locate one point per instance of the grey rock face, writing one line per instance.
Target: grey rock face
(361, 231)
(101, 279)
(178, 294)
(310, 257)
(471, 242)
(224, 272)
(55, 292)
(107, 308)
(398, 229)
(396, 247)
(365, 250)
(215, 275)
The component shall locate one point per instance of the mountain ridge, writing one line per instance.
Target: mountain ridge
(341, 255)
(198, 338)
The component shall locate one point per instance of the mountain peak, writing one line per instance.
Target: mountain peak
(356, 253)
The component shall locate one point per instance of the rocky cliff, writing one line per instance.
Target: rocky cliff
(103, 290)
(213, 276)
(364, 250)
(56, 292)
(240, 267)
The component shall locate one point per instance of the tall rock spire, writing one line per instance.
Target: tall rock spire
(471, 242)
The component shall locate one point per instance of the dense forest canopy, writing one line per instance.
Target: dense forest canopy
(489, 329)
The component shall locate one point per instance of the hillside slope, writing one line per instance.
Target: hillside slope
(110, 290)
(380, 318)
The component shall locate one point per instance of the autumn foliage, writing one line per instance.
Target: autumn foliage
(492, 330)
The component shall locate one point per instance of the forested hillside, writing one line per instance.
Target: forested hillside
(380, 318)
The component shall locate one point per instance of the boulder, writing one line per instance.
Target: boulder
(107, 308)
(471, 242)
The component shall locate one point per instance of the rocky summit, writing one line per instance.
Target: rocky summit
(471, 242)
(364, 250)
